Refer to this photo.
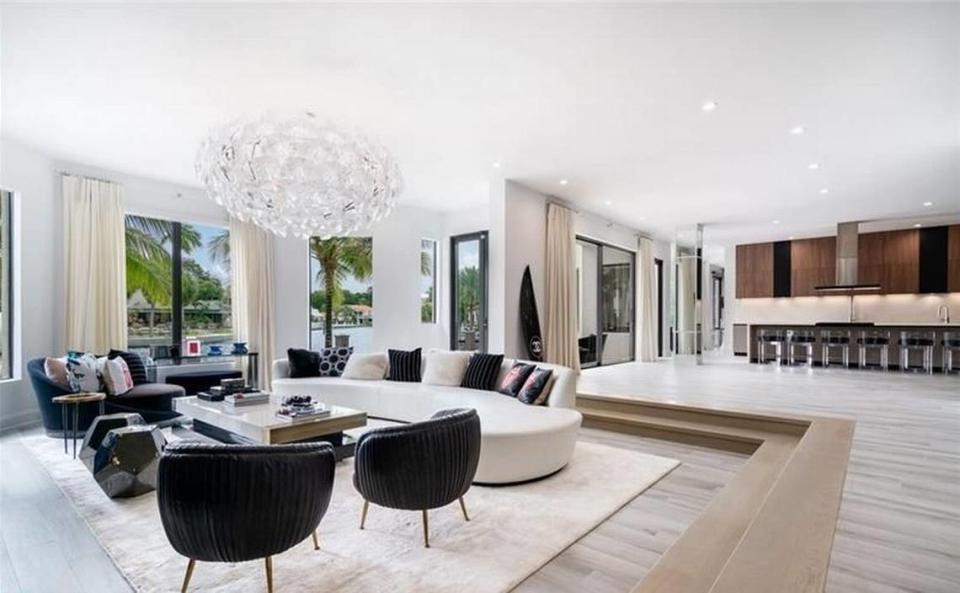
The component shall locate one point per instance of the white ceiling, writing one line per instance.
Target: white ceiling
(606, 96)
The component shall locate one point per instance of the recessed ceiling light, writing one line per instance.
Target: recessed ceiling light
(709, 106)
(607, 203)
(813, 166)
(790, 238)
(824, 190)
(928, 204)
(918, 225)
(776, 222)
(797, 130)
(564, 182)
(496, 164)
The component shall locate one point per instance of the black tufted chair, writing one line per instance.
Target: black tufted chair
(419, 466)
(232, 503)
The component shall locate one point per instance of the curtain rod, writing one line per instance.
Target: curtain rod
(635, 232)
(61, 172)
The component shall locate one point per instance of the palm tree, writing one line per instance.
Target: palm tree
(337, 258)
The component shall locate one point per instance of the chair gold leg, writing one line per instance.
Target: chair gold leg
(463, 508)
(269, 563)
(186, 577)
(426, 530)
(316, 542)
(363, 513)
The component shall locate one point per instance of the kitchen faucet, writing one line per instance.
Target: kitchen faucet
(943, 313)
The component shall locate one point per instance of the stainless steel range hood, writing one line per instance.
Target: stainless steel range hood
(848, 245)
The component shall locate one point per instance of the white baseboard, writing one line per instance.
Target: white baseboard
(24, 419)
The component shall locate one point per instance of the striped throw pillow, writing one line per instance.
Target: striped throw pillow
(404, 366)
(482, 371)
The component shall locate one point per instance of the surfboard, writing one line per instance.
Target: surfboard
(529, 319)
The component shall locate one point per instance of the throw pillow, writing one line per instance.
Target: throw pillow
(138, 371)
(516, 378)
(366, 367)
(404, 366)
(56, 371)
(334, 360)
(534, 390)
(116, 375)
(482, 371)
(82, 372)
(303, 363)
(445, 368)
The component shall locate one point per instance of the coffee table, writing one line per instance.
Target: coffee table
(258, 424)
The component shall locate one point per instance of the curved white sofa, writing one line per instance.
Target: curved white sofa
(519, 442)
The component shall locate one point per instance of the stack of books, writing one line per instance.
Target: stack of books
(309, 411)
(246, 399)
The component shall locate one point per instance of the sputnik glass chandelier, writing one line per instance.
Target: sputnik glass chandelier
(296, 176)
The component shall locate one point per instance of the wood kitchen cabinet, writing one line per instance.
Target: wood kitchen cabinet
(901, 262)
(755, 270)
(813, 263)
(953, 259)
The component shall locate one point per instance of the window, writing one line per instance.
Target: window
(178, 283)
(341, 293)
(6, 286)
(468, 292)
(605, 310)
(428, 281)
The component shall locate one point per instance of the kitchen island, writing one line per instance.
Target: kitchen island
(855, 330)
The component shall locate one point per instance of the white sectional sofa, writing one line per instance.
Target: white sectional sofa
(519, 442)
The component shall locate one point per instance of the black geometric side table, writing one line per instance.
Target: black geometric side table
(98, 430)
(126, 461)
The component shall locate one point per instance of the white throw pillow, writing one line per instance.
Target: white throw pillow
(82, 372)
(116, 375)
(445, 367)
(366, 367)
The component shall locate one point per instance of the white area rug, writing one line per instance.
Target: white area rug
(513, 531)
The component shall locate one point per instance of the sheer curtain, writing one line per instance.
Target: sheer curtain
(95, 272)
(647, 305)
(561, 310)
(251, 286)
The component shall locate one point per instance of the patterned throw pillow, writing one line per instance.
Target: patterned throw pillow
(138, 371)
(515, 379)
(303, 363)
(56, 371)
(482, 371)
(82, 372)
(534, 390)
(404, 366)
(334, 360)
(115, 374)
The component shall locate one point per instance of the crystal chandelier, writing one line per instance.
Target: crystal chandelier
(297, 176)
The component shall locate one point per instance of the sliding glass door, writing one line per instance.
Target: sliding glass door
(605, 303)
(468, 298)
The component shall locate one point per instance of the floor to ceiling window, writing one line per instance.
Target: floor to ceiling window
(178, 284)
(429, 252)
(468, 298)
(6, 285)
(341, 293)
(605, 303)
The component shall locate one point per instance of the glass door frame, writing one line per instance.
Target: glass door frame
(601, 246)
(484, 273)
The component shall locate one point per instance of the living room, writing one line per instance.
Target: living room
(513, 297)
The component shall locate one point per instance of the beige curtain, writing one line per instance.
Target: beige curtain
(251, 286)
(648, 301)
(95, 262)
(560, 336)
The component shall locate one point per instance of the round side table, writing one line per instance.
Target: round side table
(75, 399)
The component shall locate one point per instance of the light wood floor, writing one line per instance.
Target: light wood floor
(899, 524)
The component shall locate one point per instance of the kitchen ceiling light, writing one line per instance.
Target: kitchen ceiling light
(776, 222)
(797, 130)
(709, 106)
(607, 203)
(813, 166)
(918, 225)
(496, 164)
(564, 182)
(824, 190)
(928, 204)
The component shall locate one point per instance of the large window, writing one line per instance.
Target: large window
(6, 286)
(468, 292)
(428, 281)
(341, 293)
(178, 283)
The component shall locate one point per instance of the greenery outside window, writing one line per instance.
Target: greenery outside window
(341, 293)
(178, 283)
(428, 280)
(6, 286)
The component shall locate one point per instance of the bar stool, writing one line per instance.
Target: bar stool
(805, 339)
(836, 339)
(774, 337)
(951, 345)
(874, 340)
(916, 341)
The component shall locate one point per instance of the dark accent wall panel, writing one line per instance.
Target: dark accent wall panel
(934, 243)
(953, 260)
(781, 269)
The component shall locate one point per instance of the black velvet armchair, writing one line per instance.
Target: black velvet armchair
(419, 466)
(233, 503)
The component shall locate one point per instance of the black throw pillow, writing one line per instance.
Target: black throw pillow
(482, 371)
(515, 379)
(534, 391)
(334, 360)
(404, 366)
(303, 363)
(138, 370)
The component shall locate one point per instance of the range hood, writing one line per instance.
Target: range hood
(848, 238)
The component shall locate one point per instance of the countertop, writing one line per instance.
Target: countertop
(948, 326)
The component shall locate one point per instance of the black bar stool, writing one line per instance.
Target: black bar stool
(836, 339)
(874, 340)
(770, 337)
(805, 339)
(922, 341)
(951, 345)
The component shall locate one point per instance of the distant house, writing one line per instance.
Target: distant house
(363, 314)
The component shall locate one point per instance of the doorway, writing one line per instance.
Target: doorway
(468, 292)
(605, 303)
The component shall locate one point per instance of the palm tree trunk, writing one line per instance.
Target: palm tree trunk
(328, 280)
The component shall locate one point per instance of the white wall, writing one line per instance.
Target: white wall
(526, 231)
